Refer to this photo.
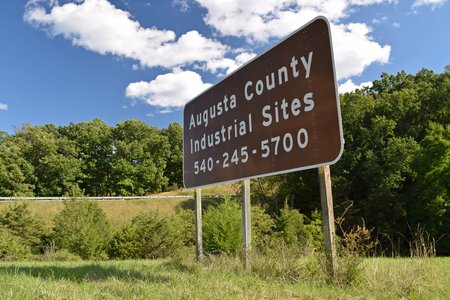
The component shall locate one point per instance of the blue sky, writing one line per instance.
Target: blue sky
(72, 61)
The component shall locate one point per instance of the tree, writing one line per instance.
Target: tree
(16, 173)
(388, 172)
(432, 165)
(83, 229)
(18, 219)
(93, 141)
(54, 161)
(174, 167)
(139, 161)
(149, 235)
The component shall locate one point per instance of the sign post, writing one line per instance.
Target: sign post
(246, 224)
(326, 201)
(198, 225)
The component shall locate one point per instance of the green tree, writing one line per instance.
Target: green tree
(54, 160)
(93, 141)
(174, 168)
(139, 161)
(16, 173)
(433, 189)
(379, 177)
(150, 235)
(18, 218)
(11, 246)
(222, 230)
(447, 69)
(83, 229)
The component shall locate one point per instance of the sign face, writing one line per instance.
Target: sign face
(279, 113)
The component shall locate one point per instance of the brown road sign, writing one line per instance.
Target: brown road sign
(279, 113)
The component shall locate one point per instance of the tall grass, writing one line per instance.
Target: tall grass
(219, 277)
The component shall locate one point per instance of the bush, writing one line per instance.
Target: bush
(83, 229)
(183, 221)
(149, 235)
(295, 230)
(262, 227)
(11, 246)
(222, 228)
(18, 218)
(125, 243)
(53, 254)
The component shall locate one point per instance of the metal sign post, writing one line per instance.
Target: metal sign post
(198, 225)
(326, 199)
(246, 224)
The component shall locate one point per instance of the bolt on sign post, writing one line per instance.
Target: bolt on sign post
(278, 113)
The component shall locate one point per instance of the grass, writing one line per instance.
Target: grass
(279, 275)
(382, 278)
(120, 212)
(220, 189)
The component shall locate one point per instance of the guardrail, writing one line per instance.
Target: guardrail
(93, 198)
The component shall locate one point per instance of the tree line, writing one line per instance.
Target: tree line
(90, 159)
(394, 175)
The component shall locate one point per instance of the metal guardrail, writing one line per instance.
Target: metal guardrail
(93, 198)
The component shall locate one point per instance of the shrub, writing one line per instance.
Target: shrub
(11, 246)
(352, 246)
(222, 228)
(125, 243)
(149, 235)
(262, 227)
(83, 229)
(294, 230)
(18, 218)
(183, 221)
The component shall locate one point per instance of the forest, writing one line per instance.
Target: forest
(393, 177)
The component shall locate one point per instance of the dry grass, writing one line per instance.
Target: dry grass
(221, 189)
(117, 211)
(121, 211)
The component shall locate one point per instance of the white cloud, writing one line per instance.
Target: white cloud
(166, 111)
(262, 20)
(349, 86)
(433, 3)
(380, 20)
(99, 26)
(228, 64)
(259, 21)
(168, 90)
(354, 50)
(3, 106)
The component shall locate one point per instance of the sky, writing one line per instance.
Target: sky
(72, 61)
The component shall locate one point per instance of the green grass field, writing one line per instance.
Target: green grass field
(381, 278)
